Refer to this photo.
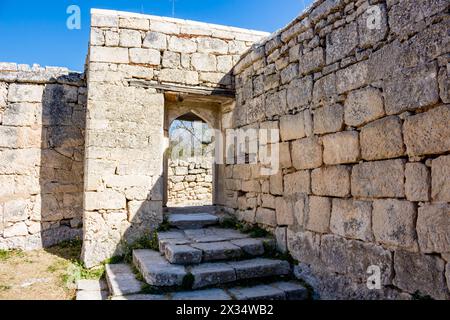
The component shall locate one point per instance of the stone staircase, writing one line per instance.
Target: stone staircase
(198, 260)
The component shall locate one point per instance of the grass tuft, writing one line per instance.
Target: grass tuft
(8, 254)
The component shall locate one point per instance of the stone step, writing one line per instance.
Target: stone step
(192, 220)
(159, 272)
(283, 290)
(156, 270)
(178, 251)
(260, 267)
(122, 280)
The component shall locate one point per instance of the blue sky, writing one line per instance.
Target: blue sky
(36, 32)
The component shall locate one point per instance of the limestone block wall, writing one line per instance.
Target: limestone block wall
(124, 182)
(42, 126)
(190, 182)
(364, 142)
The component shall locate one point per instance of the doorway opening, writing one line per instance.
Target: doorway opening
(190, 162)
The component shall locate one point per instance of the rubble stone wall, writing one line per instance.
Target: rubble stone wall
(364, 142)
(190, 182)
(124, 181)
(42, 126)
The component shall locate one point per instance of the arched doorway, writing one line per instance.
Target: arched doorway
(190, 167)
(205, 114)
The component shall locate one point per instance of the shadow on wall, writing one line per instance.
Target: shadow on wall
(62, 160)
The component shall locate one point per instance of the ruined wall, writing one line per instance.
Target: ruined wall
(364, 140)
(190, 182)
(42, 122)
(125, 121)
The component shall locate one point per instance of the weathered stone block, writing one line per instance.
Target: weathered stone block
(145, 56)
(297, 182)
(324, 88)
(428, 132)
(281, 238)
(285, 211)
(394, 223)
(204, 62)
(304, 246)
(353, 77)
(106, 200)
(111, 55)
(16, 230)
(341, 147)
(107, 21)
(331, 181)
(155, 40)
(328, 119)
(406, 16)
(21, 114)
(134, 23)
(266, 217)
(372, 25)
(382, 139)
(289, 73)
(341, 42)
(352, 219)
(355, 257)
(378, 179)
(417, 182)
(292, 127)
(433, 226)
(411, 90)
(16, 210)
(306, 153)
(418, 272)
(130, 38)
(212, 45)
(440, 181)
(276, 104)
(25, 93)
(299, 92)
(363, 106)
(276, 184)
(179, 76)
(285, 155)
(182, 45)
(312, 61)
(318, 217)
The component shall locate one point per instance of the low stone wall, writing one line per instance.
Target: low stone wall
(190, 182)
(364, 140)
(42, 123)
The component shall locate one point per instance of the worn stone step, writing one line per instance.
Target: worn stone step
(122, 280)
(192, 221)
(214, 251)
(178, 251)
(283, 290)
(156, 270)
(259, 268)
(209, 294)
(209, 274)
(182, 254)
(217, 273)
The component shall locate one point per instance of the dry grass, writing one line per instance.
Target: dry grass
(48, 274)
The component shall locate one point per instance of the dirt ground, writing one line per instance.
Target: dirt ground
(40, 275)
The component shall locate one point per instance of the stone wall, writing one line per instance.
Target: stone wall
(190, 182)
(131, 57)
(42, 124)
(364, 144)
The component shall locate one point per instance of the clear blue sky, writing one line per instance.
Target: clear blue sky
(34, 31)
